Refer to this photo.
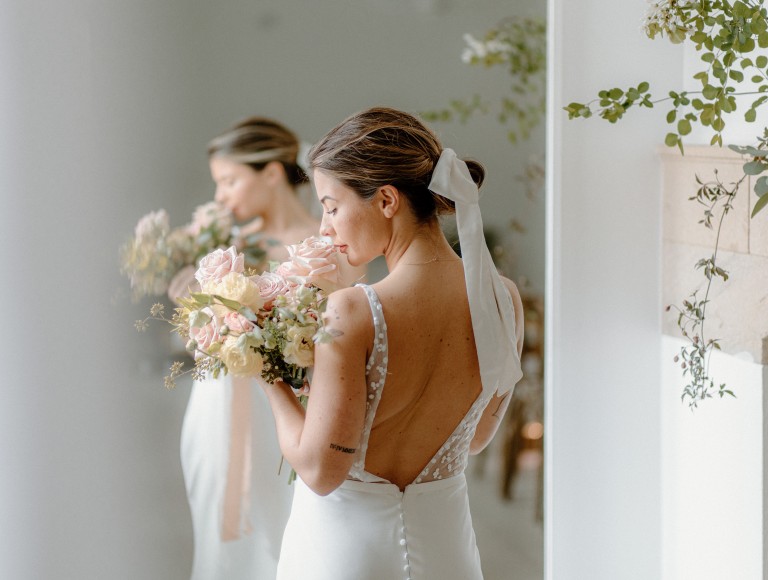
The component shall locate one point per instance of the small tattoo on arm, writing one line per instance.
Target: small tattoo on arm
(342, 449)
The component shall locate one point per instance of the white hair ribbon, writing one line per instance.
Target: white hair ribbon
(490, 305)
(302, 158)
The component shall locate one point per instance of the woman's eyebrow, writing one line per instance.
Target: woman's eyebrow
(322, 200)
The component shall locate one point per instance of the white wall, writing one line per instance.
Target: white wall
(603, 412)
(713, 473)
(105, 109)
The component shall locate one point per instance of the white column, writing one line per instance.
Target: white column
(603, 307)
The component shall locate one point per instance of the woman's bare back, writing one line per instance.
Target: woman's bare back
(433, 376)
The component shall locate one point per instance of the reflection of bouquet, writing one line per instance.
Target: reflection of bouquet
(256, 325)
(159, 259)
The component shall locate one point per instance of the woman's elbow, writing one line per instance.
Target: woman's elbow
(323, 481)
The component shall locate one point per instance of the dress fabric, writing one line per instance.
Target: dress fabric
(264, 501)
(367, 529)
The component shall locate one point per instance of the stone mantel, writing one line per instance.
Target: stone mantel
(738, 311)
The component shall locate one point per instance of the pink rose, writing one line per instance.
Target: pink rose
(218, 264)
(238, 323)
(271, 285)
(154, 225)
(313, 261)
(205, 336)
(211, 214)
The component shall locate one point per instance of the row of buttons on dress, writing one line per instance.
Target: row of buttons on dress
(404, 544)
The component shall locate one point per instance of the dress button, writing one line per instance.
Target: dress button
(407, 569)
(403, 542)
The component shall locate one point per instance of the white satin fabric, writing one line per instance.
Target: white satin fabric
(493, 316)
(373, 531)
(259, 498)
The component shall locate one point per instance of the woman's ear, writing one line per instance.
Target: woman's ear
(389, 200)
(274, 172)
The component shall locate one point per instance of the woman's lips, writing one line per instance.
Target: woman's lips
(342, 248)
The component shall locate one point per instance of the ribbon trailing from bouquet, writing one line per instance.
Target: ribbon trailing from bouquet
(490, 305)
(237, 489)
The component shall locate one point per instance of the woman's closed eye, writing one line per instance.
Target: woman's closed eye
(331, 211)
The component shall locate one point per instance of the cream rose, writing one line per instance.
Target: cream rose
(272, 285)
(313, 261)
(237, 287)
(299, 348)
(218, 264)
(241, 362)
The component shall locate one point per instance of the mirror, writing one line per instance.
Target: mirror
(119, 102)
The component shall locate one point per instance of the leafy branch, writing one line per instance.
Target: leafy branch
(518, 45)
(724, 33)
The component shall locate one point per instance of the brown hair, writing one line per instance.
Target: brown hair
(257, 141)
(383, 146)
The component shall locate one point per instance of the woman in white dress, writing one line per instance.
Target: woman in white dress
(420, 371)
(229, 452)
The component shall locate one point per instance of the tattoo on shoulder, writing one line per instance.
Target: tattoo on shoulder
(342, 449)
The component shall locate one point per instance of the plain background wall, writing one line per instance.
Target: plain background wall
(603, 409)
(105, 110)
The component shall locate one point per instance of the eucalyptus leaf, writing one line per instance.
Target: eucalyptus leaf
(755, 167)
(761, 186)
(231, 304)
(761, 203)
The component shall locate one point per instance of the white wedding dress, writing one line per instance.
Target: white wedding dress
(230, 459)
(368, 529)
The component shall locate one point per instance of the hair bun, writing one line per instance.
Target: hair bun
(476, 170)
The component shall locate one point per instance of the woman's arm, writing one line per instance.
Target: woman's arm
(494, 412)
(320, 443)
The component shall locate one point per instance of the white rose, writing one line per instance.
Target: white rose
(299, 349)
(237, 287)
(241, 362)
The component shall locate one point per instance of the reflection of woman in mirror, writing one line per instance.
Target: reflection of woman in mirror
(419, 373)
(229, 451)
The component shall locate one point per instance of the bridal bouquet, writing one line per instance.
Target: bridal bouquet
(159, 259)
(250, 325)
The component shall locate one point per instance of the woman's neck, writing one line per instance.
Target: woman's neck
(418, 246)
(286, 213)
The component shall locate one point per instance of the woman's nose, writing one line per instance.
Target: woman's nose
(325, 226)
(219, 195)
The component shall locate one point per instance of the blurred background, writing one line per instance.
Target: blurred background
(105, 112)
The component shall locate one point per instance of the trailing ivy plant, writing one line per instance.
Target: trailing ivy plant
(517, 45)
(726, 35)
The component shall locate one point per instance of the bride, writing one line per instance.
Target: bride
(419, 373)
(230, 457)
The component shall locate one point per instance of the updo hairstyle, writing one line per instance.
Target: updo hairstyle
(383, 146)
(257, 141)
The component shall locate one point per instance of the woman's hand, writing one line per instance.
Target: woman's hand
(182, 284)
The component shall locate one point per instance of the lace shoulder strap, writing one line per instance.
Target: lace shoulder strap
(376, 375)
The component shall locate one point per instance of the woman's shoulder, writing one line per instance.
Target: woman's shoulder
(348, 309)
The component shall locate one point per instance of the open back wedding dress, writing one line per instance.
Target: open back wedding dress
(368, 529)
